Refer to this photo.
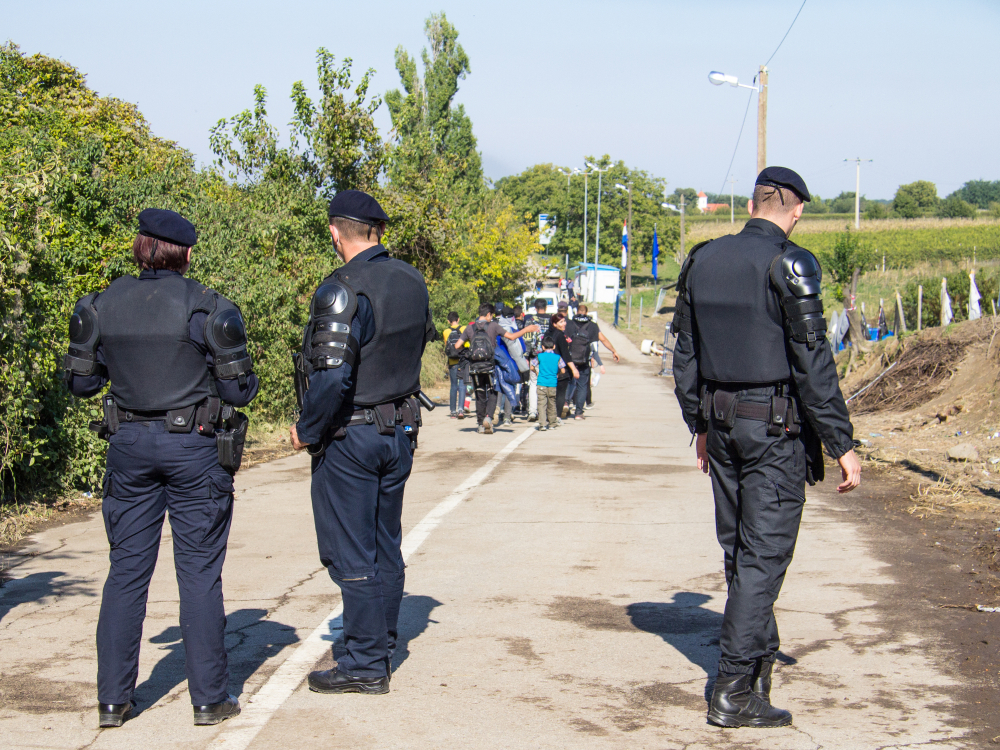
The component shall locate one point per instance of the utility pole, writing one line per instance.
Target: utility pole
(732, 199)
(585, 176)
(857, 192)
(628, 249)
(682, 229)
(762, 120)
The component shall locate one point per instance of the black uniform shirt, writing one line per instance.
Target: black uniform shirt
(329, 393)
(812, 372)
(230, 391)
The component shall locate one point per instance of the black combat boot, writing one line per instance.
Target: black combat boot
(114, 714)
(216, 713)
(734, 704)
(335, 681)
(762, 680)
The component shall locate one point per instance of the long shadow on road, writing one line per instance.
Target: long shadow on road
(250, 640)
(38, 586)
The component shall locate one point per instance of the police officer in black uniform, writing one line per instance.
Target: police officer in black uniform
(176, 355)
(369, 322)
(758, 386)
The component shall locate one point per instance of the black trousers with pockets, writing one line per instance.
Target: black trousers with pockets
(149, 472)
(759, 486)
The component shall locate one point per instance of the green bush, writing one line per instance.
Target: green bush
(958, 289)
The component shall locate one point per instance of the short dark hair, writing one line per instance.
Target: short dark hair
(769, 199)
(453, 317)
(541, 302)
(582, 309)
(355, 230)
(486, 309)
(548, 343)
(155, 254)
(518, 310)
(556, 318)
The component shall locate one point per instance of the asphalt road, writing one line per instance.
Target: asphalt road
(562, 592)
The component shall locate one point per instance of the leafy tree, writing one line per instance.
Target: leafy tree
(739, 201)
(816, 206)
(848, 253)
(844, 203)
(543, 188)
(876, 210)
(980, 193)
(690, 198)
(995, 209)
(918, 198)
(954, 207)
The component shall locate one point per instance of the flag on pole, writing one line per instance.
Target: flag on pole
(624, 243)
(975, 311)
(656, 253)
(946, 314)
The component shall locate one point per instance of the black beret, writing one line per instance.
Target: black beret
(357, 206)
(168, 226)
(783, 177)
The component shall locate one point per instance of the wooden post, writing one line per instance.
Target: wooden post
(640, 312)
(762, 120)
(630, 311)
(859, 338)
(920, 307)
(631, 244)
(899, 310)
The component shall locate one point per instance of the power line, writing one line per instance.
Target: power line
(750, 99)
(742, 125)
(786, 34)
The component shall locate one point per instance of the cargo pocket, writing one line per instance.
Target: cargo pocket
(218, 511)
(110, 506)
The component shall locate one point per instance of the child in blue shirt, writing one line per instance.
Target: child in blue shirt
(548, 366)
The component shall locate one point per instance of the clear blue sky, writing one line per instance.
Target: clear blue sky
(910, 84)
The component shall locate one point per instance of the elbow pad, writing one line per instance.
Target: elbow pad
(84, 336)
(226, 339)
(797, 275)
(329, 339)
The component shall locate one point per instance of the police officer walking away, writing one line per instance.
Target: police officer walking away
(176, 355)
(369, 322)
(757, 385)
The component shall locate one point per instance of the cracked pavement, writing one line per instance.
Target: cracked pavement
(573, 600)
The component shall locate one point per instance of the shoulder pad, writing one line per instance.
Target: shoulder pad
(797, 270)
(686, 267)
(329, 337)
(226, 339)
(84, 336)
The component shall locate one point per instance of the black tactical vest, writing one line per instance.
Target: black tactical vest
(736, 312)
(152, 364)
(389, 367)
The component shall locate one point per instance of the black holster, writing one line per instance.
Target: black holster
(109, 425)
(723, 405)
(232, 438)
(385, 418)
(410, 419)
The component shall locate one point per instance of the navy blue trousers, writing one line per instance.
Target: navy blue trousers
(357, 497)
(759, 485)
(150, 471)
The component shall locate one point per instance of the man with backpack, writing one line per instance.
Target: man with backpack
(582, 331)
(456, 366)
(481, 337)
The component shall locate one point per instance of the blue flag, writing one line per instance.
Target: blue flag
(656, 253)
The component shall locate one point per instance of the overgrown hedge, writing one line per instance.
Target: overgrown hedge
(906, 248)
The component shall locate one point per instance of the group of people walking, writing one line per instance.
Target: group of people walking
(754, 377)
(539, 366)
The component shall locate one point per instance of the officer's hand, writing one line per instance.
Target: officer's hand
(701, 449)
(296, 443)
(850, 467)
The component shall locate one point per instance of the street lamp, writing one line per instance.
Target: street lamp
(597, 248)
(717, 79)
(628, 250)
(569, 173)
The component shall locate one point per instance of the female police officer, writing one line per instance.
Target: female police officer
(175, 353)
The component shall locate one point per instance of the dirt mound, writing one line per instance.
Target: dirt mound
(908, 373)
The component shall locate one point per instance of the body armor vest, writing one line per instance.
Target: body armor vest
(151, 362)
(389, 365)
(736, 311)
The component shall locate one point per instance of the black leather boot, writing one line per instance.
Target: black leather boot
(334, 681)
(216, 713)
(762, 680)
(114, 714)
(734, 704)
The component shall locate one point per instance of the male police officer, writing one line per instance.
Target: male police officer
(175, 353)
(757, 384)
(369, 322)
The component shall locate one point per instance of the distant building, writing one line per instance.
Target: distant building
(702, 202)
(711, 208)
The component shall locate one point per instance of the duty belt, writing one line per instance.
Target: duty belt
(367, 416)
(753, 410)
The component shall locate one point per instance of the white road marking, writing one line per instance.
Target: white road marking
(238, 733)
